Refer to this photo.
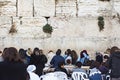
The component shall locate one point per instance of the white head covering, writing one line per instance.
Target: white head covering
(31, 68)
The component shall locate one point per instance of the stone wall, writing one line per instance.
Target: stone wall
(74, 22)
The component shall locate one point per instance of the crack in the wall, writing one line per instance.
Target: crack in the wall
(118, 16)
(16, 8)
(33, 8)
(77, 8)
(61, 5)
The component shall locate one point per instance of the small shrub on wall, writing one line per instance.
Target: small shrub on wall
(100, 18)
(47, 28)
(13, 29)
(101, 23)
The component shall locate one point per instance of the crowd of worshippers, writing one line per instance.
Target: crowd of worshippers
(14, 63)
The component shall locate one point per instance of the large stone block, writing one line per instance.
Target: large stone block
(44, 7)
(8, 8)
(5, 24)
(32, 21)
(25, 8)
(66, 8)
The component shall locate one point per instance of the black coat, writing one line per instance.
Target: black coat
(114, 64)
(99, 58)
(39, 61)
(13, 71)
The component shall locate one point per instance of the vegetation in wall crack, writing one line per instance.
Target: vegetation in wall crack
(47, 28)
(118, 16)
(101, 23)
(100, 18)
(13, 29)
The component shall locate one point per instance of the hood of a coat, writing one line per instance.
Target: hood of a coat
(116, 54)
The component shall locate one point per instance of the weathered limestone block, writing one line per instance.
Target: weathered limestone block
(87, 8)
(66, 8)
(32, 21)
(65, 2)
(32, 42)
(116, 6)
(5, 24)
(44, 7)
(4, 20)
(115, 29)
(116, 0)
(25, 8)
(8, 8)
(66, 11)
(88, 1)
(78, 27)
(30, 26)
(105, 8)
(17, 42)
(2, 42)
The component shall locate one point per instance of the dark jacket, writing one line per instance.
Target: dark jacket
(39, 61)
(57, 59)
(114, 64)
(99, 58)
(103, 69)
(13, 71)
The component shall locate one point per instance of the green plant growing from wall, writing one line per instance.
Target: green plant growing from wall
(13, 29)
(47, 28)
(101, 23)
